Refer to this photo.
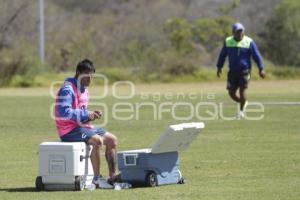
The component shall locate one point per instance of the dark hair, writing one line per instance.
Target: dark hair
(85, 66)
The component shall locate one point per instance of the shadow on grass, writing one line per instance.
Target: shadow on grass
(22, 189)
(32, 189)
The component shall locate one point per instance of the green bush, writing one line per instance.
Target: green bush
(210, 32)
(179, 32)
(282, 35)
(19, 65)
(139, 54)
(178, 66)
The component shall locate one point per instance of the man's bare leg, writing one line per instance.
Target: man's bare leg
(96, 141)
(110, 142)
(243, 98)
(95, 159)
(232, 94)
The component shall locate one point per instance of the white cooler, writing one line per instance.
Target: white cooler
(64, 166)
(160, 164)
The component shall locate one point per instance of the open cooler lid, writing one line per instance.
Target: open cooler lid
(177, 137)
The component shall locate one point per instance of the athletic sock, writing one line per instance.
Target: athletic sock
(244, 106)
(97, 177)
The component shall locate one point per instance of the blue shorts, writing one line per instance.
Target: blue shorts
(82, 134)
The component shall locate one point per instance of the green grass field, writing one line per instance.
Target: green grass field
(231, 159)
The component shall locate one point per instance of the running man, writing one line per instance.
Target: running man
(239, 48)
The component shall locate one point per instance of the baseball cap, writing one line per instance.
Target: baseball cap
(237, 26)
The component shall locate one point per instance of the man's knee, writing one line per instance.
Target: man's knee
(111, 140)
(96, 141)
(232, 93)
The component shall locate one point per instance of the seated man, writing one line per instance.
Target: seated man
(73, 121)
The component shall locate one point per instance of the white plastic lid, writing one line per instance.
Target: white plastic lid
(62, 146)
(177, 137)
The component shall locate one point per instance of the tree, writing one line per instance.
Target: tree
(179, 32)
(282, 36)
(11, 18)
(209, 32)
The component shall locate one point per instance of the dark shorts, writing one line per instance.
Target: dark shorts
(237, 80)
(82, 134)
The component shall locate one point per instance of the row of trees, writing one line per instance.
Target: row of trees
(170, 36)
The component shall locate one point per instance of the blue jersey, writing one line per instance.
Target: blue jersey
(239, 54)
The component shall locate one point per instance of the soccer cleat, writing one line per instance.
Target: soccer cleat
(240, 115)
(101, 182)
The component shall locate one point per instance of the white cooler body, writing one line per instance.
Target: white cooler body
(61, 163)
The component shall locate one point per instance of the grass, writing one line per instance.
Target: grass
(140, 76)
(230, 160)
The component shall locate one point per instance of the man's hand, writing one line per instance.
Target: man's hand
(219, 72)
(262, 73)
(95, 115)
(99, 114)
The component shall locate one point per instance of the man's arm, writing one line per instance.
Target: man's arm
(221, 60)
(258, 59)
(65, 109)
